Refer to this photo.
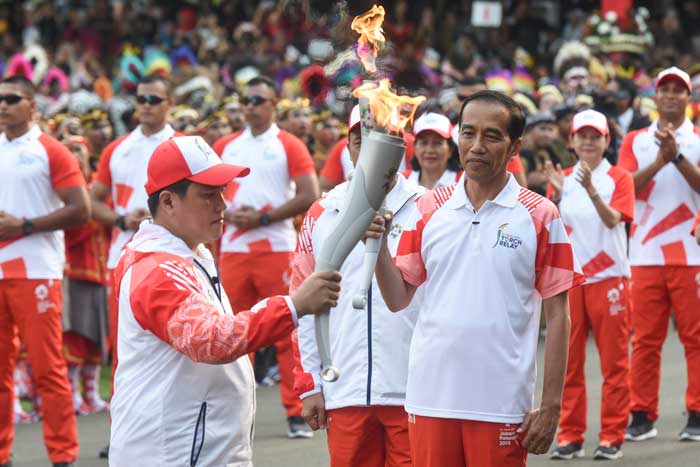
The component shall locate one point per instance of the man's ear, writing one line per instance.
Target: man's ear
(515, 147)
(165, 201)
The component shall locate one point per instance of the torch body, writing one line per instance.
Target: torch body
(380, 157)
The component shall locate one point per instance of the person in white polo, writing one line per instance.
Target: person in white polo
(183, 395)
(370, 345)
(489, 255)
(595, 200)
(436, 162)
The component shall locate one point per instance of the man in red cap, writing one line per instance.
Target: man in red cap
(663, 159)
(182, 393)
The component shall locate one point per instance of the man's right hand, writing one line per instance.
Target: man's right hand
(133, 219)
(379, 226)
(313, 409)
(318, 293)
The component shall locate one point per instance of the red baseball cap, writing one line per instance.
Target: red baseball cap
(674, 72)
(191, 158)
(591, 118)
(354, 118)
(432, 121)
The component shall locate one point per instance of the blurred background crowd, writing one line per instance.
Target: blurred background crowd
(554, 57)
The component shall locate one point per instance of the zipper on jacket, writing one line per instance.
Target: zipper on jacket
(197, 449)
(369, 344)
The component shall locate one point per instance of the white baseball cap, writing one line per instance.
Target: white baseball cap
(191, 158)
(432, 121)
(674, 72)
(354, 118)
(591, 118)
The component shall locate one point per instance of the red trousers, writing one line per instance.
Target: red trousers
(33, 307)
(449, 442)
(249, 278)
(603, 308)
(371, 436)
(656, 291)
(79, 350)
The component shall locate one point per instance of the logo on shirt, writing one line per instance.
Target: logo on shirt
(506, 240)
(614, 300)
(395, 231)
(26, 159)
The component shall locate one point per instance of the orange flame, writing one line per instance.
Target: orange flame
(369, 27)
(389, 110)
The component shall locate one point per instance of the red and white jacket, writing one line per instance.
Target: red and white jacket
(182, 394)
(369, 347)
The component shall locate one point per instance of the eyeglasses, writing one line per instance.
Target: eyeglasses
(253, 100)
(11, 99)
(149, 99)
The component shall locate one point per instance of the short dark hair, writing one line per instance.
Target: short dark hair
(22, 81)
(472, 81)
(179, 188)
(266, 80)
(626, 85)
(516, 125)
(156, 78)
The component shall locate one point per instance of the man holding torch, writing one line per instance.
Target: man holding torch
(489, 255)
(366, 421)
(182, 394)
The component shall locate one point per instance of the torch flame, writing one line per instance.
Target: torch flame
(389, 110)
(369, 27)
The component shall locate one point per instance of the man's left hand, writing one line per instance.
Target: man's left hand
(246, 218)
(539, 427)
(10, 226)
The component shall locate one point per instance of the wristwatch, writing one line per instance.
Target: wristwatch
(27, 227)
(679, 157)
(121, 223)
(265, 219)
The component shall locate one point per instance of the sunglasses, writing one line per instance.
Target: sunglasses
(253, 100)
(11, 99)
(149, 99)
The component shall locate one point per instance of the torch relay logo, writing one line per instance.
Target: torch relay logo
(506, 240)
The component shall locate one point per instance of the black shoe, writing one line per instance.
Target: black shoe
(568, 452)
(7, 464)
(104, 453)
(298, 428)
(640, 428)
(691, 432)
(62, 464)
(607, 453)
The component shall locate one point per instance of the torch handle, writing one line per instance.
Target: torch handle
(369, 263)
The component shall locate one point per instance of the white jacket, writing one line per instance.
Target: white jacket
(370, 346)
(182, 395)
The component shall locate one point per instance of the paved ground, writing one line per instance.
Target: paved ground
(272, 449)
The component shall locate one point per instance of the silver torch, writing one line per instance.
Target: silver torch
(378, 162)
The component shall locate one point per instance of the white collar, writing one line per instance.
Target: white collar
(507, 197)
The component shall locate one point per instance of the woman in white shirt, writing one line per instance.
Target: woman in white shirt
(595, 200)
(436, 162)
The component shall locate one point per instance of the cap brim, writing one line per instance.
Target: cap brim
(602, 131)
(219, 174)
(677, 78)
(446, 135)
(352, 127)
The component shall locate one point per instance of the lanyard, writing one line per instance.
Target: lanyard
(214, 281)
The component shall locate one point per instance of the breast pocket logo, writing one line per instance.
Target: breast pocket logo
(506, 240)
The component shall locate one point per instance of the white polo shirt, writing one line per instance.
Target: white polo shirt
(602, 251)
(484, 275)
(275, 158)
(665, 209)
(123, 167)
(32, 167)
(448, 177)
